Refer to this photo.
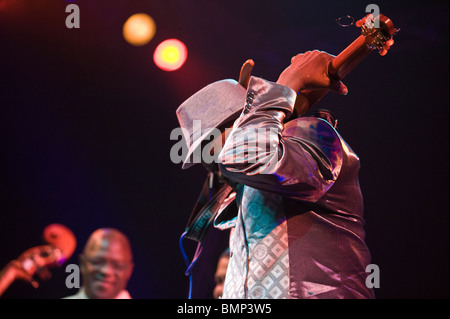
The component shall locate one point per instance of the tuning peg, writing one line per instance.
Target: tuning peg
(387, 46)
(383, 52)
(361, 22)
(390, 42)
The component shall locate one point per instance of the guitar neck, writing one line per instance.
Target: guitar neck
(350, 57)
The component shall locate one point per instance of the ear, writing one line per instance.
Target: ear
(130, 270)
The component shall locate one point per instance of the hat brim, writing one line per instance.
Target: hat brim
(189, 161)
(216, 105)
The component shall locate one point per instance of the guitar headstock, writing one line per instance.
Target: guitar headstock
(37, 260)
(379, 32)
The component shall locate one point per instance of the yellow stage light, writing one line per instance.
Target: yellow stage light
(170, 55)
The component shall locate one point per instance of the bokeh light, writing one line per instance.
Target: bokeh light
(170, 55)
(139, 29)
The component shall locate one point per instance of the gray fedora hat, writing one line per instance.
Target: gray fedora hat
(212, 107)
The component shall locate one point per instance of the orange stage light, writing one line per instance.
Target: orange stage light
(139, 29)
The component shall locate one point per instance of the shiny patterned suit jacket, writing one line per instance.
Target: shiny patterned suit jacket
(299, 228)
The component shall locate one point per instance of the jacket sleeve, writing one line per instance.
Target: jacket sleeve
(300, 159)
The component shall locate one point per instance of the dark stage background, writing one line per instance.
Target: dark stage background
(85, 120)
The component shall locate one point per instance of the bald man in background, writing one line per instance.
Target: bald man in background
(106, 266)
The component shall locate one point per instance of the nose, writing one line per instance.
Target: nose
(106, 269)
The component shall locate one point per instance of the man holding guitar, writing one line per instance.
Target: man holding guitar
(299, 229)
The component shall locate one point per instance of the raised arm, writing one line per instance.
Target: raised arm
(299, 159)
